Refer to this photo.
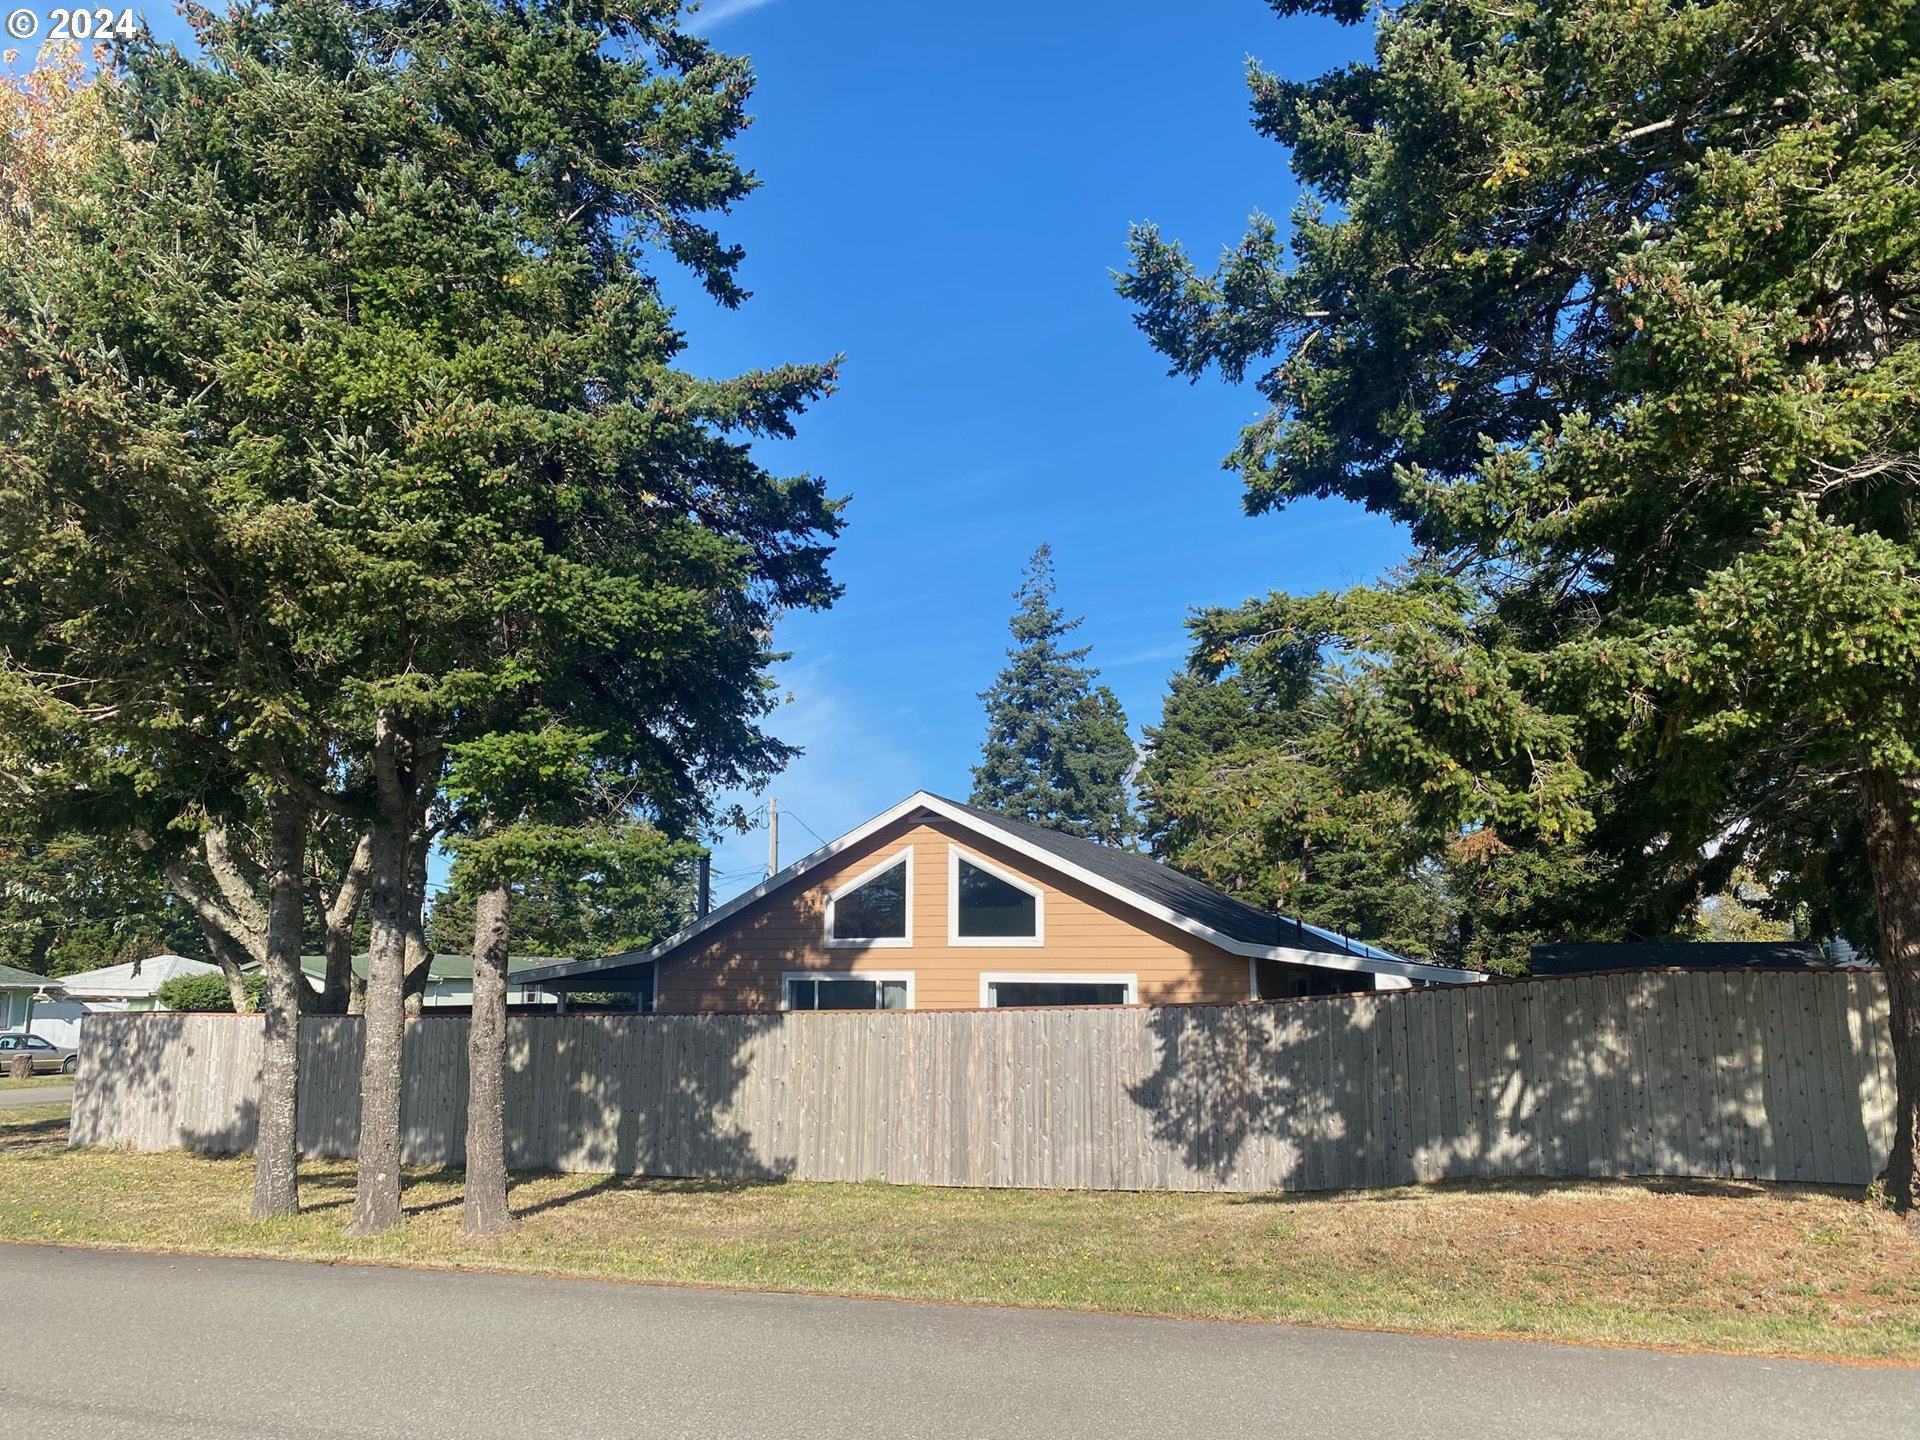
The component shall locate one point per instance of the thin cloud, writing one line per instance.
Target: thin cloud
(720, 11)
(852, 768)
(1177, 650)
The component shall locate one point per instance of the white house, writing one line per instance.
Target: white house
(19, 990)
(133, 986)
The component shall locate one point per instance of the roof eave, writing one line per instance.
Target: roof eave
(1368, 964)
(722, 913)
(925, 800)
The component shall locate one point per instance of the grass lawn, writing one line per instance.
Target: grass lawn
(35, 1082)
(1723, 1266)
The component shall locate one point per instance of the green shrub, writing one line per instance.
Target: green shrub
(208, 992)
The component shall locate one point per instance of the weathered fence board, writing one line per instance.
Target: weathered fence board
(1752, 1074)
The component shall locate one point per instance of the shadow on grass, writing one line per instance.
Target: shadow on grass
(29, 1134)
(606, 1184)
(1538, 1186)
(333, 1190)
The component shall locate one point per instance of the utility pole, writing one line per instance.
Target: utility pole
(773, 836)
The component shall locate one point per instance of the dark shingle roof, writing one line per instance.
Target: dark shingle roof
(1179, 893)
(1588, 958)
(12, 979)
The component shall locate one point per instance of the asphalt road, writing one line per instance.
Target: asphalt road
(36, 1095)
(161, 1347)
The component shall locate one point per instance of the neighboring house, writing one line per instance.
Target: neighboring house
(1595, 957)
(19, 990)
(450, 980)
(133, 986)
(936, 905)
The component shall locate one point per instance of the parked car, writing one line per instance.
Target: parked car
(46, 1055)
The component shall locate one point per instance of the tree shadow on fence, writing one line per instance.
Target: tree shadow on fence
(1752, 1075)
(619, 1094)
(1772, 1075)
(157, 1082)
(628, 1094)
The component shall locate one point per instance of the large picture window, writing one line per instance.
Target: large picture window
(988, 906)
(816, 991)
(874, 908)
(1006, 992)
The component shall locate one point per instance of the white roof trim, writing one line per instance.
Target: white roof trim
(1412, 969)
(922, 800)
(721, 913)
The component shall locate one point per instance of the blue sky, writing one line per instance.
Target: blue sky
(946, 190)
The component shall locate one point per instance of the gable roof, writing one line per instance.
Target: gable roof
(1174, 889)
(135, 980)
(12, 979)
(1134, 880)
(1597, 957)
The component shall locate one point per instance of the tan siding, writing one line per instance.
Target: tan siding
(740, 965)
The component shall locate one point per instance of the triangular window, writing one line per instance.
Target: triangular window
(872, 910)
(988, 906)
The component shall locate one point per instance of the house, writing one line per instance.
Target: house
(450, 980)
(937, 905)
(1594, 958)
(133, 986)
(21, 990)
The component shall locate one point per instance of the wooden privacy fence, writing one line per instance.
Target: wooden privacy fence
(1762, 1075)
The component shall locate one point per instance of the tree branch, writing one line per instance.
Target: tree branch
(232, 880)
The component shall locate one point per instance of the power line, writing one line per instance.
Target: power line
(806, 827)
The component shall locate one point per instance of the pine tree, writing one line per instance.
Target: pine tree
(1057, 752)
(1616, 307)
(1248, 784)
(343, 421)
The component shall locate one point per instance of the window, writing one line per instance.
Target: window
(987, 906)
(874, 909)
(1005, 992)
(818, 990)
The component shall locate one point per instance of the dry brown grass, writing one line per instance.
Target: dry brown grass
(1739, 1267)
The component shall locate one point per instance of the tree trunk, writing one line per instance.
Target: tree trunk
(231, 959)
(1892, 814)
(339, 989)
(276, 1151)
(485, 1211)
(336, 988)
(376, 1194)
(419, 964)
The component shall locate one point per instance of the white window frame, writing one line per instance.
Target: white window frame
(1039, 937)
(788, 976)
(899, 942)
(990, 978)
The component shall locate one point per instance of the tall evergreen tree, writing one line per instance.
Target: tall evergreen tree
(71, 902)
(1617, 307)
(623, 888)
(1057, 752)
(343, 422)
(1245, 785)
